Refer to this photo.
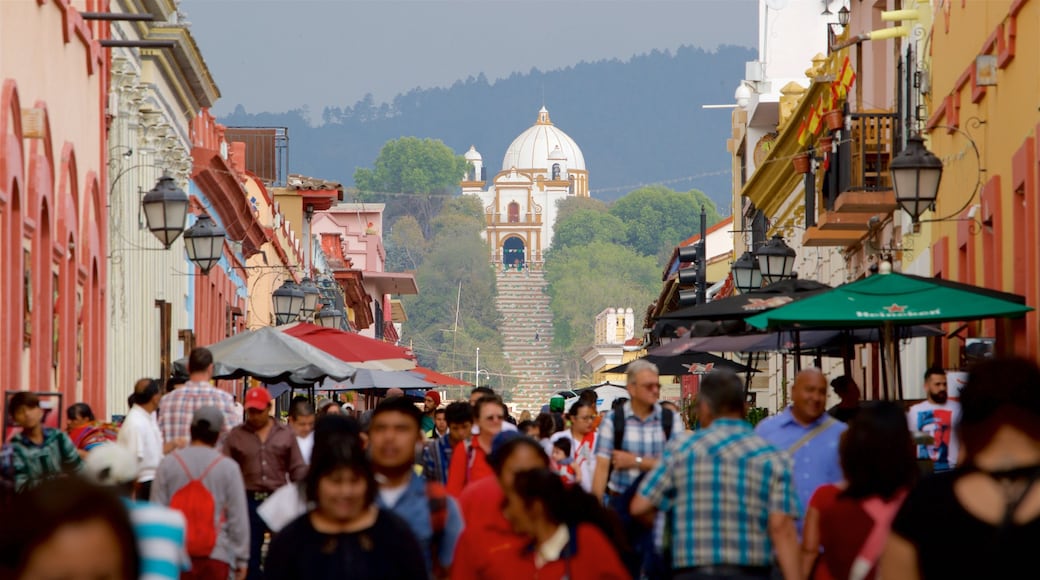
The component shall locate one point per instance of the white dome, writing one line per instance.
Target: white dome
(473, 154)
(532, 149)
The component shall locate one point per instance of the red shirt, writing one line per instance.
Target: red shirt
(851, 528)
(595, 559)
(466, 468)
(487, 534)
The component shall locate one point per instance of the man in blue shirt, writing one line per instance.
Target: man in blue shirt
(808, 434)
(729, 491)
(394, 433)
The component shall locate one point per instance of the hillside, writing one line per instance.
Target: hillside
(639, 121)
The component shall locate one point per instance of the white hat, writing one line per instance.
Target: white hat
(110, 464)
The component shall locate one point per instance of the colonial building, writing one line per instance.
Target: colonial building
(542, 166)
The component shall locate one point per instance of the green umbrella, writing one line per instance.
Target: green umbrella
(887, 300)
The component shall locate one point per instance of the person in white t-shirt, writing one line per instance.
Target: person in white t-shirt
(301, 419)
(582, 435)
(140, 434)
(936, 417)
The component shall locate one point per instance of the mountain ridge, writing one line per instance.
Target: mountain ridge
(638, 121)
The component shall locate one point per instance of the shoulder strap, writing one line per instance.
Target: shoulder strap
(184, 466)
(667, 421)
(187, 471)
(811, 435)
(210, 467)
(619, 427)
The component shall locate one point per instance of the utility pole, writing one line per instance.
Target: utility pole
(476, 370)
(702, 252)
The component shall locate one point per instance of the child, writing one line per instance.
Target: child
(561, 456)
(37, 452)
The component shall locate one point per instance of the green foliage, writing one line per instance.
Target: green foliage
(657, 218)
(405, 246)
(585, 226)
(568, 205)
(583, 280)
(456, 253)
(413, 177)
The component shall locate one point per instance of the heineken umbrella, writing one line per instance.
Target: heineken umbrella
(888, 300)
(900, 299)
(788, 340)
(688, 363)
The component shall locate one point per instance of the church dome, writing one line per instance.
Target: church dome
(536, 147)
(473, 154)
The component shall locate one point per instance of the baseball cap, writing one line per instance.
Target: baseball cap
(257, 398)
(212, 416)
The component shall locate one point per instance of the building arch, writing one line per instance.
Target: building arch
(514, 251)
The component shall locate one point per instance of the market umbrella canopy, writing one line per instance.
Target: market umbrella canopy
(687, 363)
(786, 340)
(271, 356)
(899, 299)
(376, 379)
(360, 351)
(744, 305)
(439, 379)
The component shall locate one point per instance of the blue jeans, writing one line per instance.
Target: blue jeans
(641, 554)
(257, 529)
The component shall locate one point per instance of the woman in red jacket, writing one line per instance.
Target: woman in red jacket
(469, 458)
(572, 536)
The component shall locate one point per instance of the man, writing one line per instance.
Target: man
(267, 453)
(393, 435)
(724, 464)
(440, 424)
(620, 465)
(223, 480)
(845, 388)
(430, 404)
(179, 405)
(301, 420)
(37, 453)
(808, 434)
(436, 455)
(936, 417)
(141, 435)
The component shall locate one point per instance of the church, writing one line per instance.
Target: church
(542, 166)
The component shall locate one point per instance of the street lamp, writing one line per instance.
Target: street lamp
(843, 16)
(310, 298)
(746, 274)
(330, 317)
(204, 243)
(165, 210)
(916, 172)
(775, 260)
(288, 301)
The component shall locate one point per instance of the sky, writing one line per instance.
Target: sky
(274, 56)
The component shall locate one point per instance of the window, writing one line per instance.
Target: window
(514, 212)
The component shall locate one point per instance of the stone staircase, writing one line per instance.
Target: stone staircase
(527, 334)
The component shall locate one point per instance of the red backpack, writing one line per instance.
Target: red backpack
(195, 501)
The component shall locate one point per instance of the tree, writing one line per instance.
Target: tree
(658, 218)
(405, 246)
(413, 177)
(585, 226)
(583, 280)
(568, 205)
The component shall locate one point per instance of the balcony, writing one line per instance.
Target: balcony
(856, 185)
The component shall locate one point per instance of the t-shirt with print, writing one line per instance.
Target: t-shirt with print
(937, 421)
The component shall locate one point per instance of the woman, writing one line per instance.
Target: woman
(85, 431)
(329, 407)
(487, 531)
(569, 532)
(469, 458)
(850, 521)
(68, 528)
(345, 534)
(982, 519)
(582, 417)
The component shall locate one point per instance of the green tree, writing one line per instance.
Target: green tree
(405, 246)
(413, 177)
(573, 203)
(658, 218)
(583, 280)
(585, 226)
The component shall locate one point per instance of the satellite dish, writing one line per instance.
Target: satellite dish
(776, 4)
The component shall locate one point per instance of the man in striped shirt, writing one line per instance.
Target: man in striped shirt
(730, 492)
(37, 453)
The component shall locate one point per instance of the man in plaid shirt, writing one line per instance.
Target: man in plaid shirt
(177, 408)
(731, 493)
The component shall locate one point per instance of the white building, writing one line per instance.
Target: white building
(542, 166)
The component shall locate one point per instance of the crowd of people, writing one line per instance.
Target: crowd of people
(192, 487)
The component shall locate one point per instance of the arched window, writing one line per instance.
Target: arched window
(514, 212)
(556, 172)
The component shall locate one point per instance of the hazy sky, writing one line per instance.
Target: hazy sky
(273, 55)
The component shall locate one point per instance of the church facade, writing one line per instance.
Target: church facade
(541, 167)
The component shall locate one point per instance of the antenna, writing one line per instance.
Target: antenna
(543, 94)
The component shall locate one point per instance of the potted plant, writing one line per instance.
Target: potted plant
(824, 144)
(801, 162)
(835, 119)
